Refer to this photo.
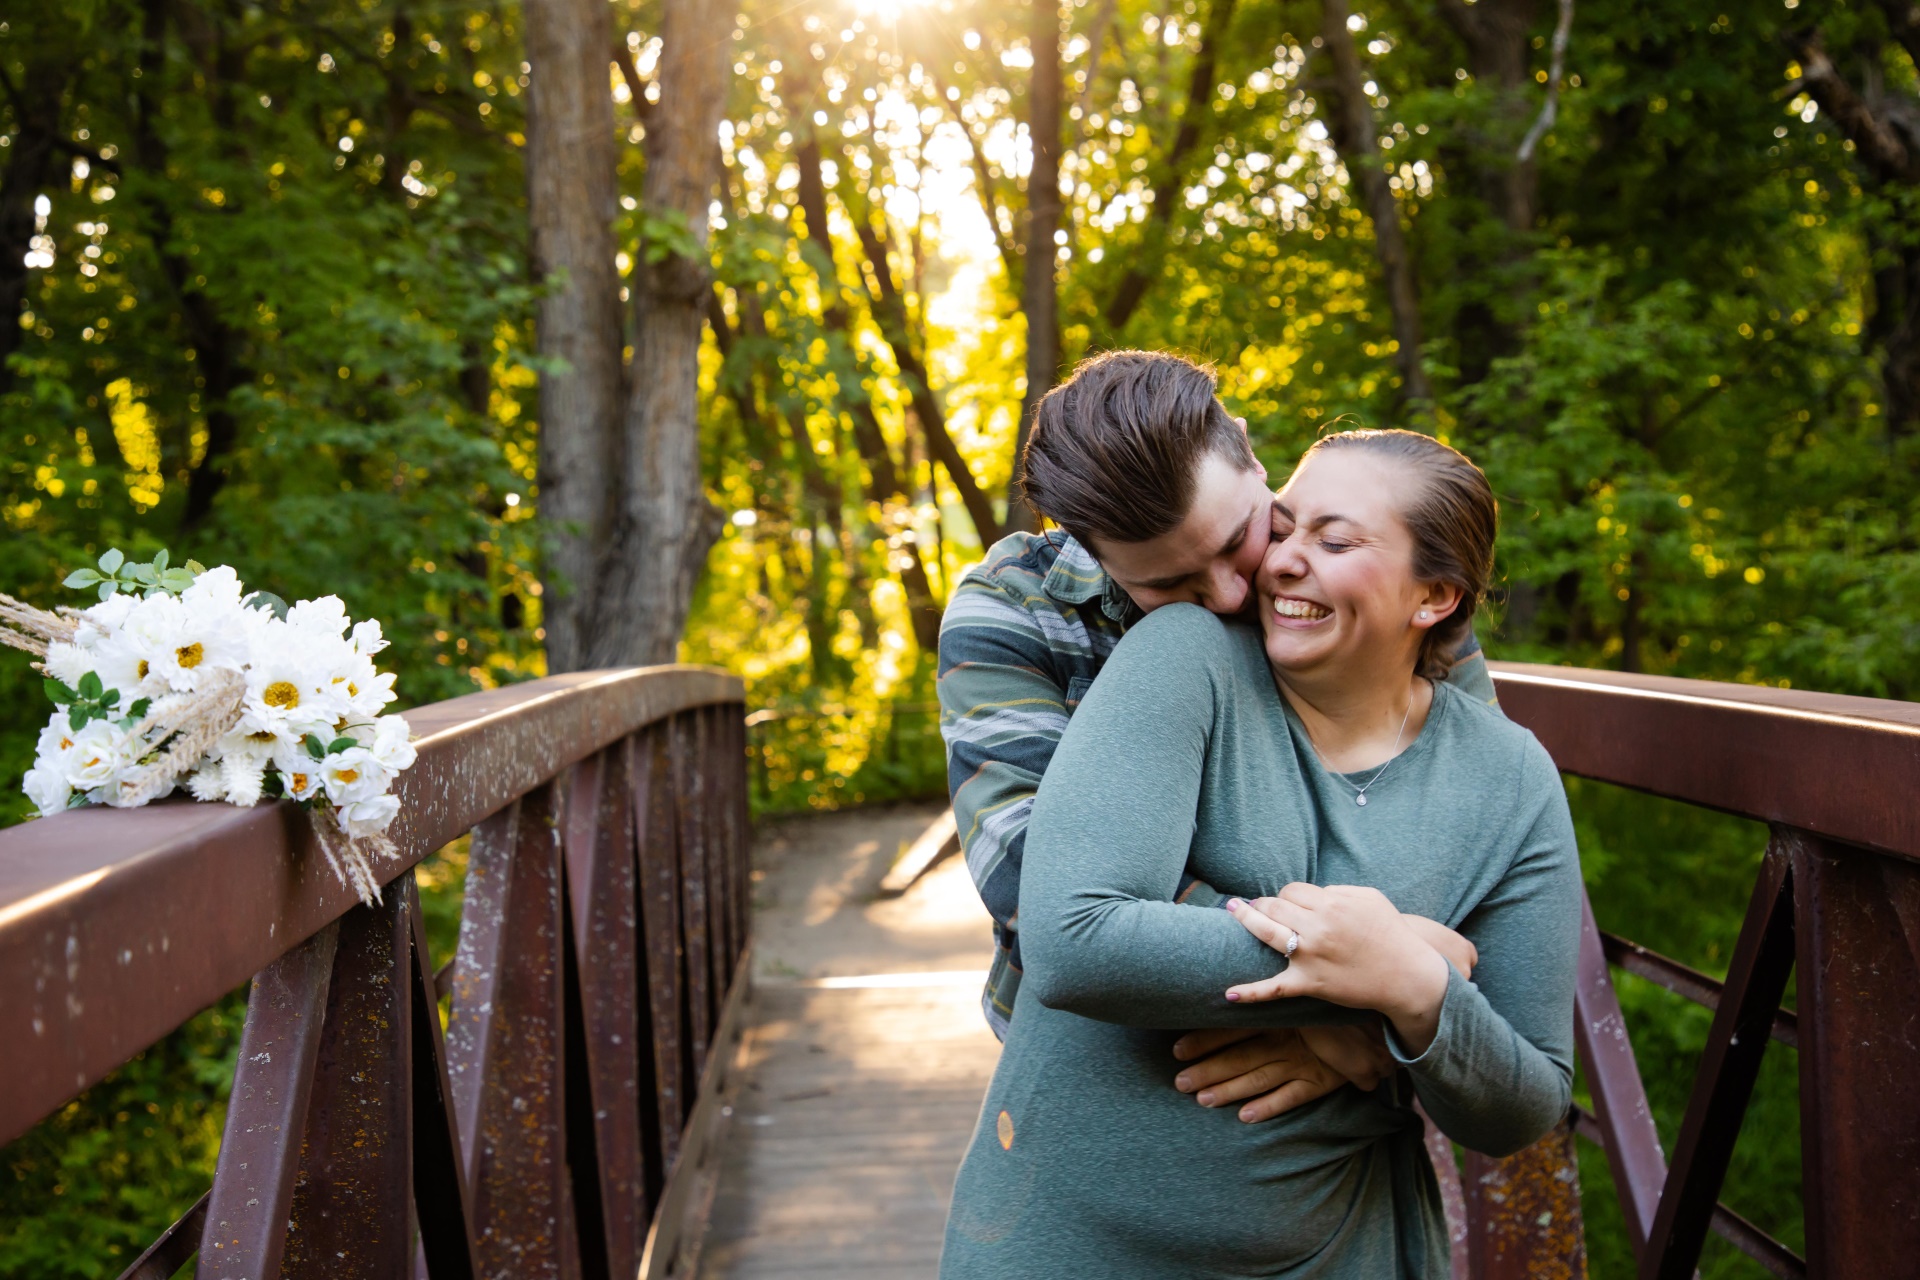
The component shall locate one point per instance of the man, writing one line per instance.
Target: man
(1160, 501)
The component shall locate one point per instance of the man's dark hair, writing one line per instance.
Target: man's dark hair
(1116, 449)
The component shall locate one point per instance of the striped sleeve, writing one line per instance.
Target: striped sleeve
(1002, 711)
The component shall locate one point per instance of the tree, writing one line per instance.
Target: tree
(625, 562)
(570, 211)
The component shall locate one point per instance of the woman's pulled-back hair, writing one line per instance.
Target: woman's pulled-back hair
(1116, 448)
(1454, 520)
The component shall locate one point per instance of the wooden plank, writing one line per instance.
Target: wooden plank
(854, 1109)
(673, 1225)
(941, 838)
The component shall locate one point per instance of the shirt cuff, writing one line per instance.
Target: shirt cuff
(1449, 1000)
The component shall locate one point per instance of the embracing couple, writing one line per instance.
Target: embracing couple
(1229, 775)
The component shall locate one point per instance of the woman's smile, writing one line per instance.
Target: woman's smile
(1298, 613)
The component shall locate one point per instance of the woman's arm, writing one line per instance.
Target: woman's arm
(1492, 1060)
(1110, 834)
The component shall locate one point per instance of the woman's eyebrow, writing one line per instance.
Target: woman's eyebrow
(1319, 522)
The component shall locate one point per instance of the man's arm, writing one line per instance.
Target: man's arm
(1002, 710)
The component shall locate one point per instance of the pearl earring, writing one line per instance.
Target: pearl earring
(1423, 615)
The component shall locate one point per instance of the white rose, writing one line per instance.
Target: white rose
(392, 746)
(100, 750)
(353, 775)
(48, 790)
(55, 741)
(324, 618)
(218, 586)
(367, 638)
(369, 817)
(109, 613)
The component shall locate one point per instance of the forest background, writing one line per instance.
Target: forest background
(277, 295)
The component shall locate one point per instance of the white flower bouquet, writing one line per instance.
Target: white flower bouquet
(180, 679)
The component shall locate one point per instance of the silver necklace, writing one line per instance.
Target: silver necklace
(1360, 792)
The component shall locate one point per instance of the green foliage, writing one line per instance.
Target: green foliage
(85, 1191)
(117, 573)
(1678, 879)
(283, 319)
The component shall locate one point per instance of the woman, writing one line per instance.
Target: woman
(1313, 766)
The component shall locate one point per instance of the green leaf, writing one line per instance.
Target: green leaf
(109, 698)
(141, 573)
(90, 686)
(110, 563)
(81, 578)
(107, 589)
(341, 744)
(78, 800)
(77, 717)
(58, 693)
(268, 600)
(176, 580)
(195, 568)
(160, 560)
(314, 748)
(140, 707)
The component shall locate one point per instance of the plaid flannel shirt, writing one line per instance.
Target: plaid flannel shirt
(1025, 633)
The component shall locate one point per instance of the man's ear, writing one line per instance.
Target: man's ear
(1437, 602)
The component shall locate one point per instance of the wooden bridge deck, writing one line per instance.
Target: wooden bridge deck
(863, 1063)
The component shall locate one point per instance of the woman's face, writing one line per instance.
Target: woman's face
(1336, 587)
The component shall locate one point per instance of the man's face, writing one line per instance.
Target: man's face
(1209, 559)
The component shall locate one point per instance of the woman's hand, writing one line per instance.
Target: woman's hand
(1351, 947)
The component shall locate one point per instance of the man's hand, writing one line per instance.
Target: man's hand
(1357, 1052)
(1274, 1070)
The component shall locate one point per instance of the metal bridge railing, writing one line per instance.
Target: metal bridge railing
(602, 940)
(1837, 900)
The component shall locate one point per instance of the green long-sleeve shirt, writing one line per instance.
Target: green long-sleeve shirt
(1086, 1160)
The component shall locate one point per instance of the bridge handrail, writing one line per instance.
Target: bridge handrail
(117, 925)
(1843, 767)
(1837, 900)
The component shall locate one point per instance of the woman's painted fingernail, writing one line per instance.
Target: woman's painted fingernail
(1246, 1115)
(1182, 1082)
(1234, 904)
(1233, 995)
(1206, 1099)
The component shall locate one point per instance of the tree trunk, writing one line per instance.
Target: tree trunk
(1039, 297)
(665, 526)
(570, 158)
(1498, 35)
(1352, 124)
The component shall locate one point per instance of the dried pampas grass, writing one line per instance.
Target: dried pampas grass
(24, 627)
